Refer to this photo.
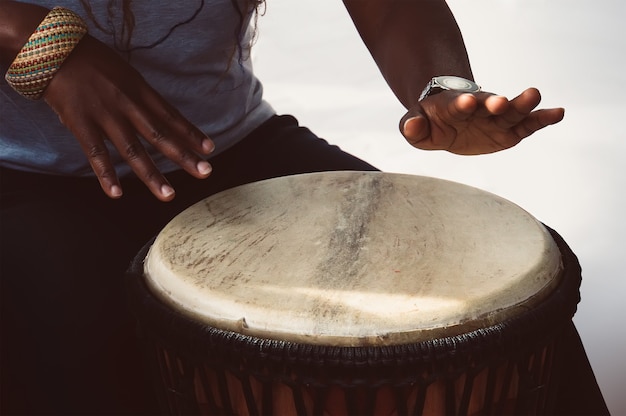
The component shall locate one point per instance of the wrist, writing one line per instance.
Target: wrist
(448, 83)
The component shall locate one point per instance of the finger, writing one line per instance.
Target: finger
(446, 108)
(414, 127)
(130, 148)
(92, 143)
(538, 120)
(177, 124)
(519, 108)
(481, 104)
(490, 105)
(175, 137)
(173, 145)
(462, 107)
(440, 112)
(527, 100)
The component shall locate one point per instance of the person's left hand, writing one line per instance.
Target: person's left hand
(479, 123)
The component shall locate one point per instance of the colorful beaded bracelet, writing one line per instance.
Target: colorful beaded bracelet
(44, 53)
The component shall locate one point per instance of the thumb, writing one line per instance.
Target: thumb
(414, 126)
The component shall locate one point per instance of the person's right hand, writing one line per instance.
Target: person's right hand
(99, 97)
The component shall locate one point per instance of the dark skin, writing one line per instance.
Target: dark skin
(98, 96)
(117, 104)
(412, 41)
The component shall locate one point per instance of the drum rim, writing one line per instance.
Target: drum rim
(530, 329)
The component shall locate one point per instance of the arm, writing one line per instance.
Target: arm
(412, 41)
(17, 22)
(98, 96)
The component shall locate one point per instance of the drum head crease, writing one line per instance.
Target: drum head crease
(353, 258)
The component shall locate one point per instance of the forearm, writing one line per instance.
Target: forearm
(411, 41)
(17, 23)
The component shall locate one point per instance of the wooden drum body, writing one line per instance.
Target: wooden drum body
(355, 293)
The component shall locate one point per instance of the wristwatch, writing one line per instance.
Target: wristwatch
(448, 82)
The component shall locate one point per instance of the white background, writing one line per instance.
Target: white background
(570, 176)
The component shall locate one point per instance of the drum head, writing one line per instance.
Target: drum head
(353, 258)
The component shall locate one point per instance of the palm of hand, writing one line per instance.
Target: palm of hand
(476, 124)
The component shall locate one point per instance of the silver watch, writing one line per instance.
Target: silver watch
(448, 82)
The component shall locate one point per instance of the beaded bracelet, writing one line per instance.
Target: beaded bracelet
(44, 53)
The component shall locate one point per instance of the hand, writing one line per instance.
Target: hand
(98, 97)
(479, 123)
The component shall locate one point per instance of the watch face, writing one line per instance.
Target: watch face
(457, 84)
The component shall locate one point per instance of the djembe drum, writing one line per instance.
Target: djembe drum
(354, 293)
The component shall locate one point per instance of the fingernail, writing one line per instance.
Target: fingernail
(406, 128)
(116, 191)
(207, 145)
(204, 167)
(167, 191)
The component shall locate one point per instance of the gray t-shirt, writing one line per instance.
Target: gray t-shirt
(194, 68)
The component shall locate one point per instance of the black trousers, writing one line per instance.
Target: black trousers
(67, 336)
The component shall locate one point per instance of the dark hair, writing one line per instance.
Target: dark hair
(242, 7)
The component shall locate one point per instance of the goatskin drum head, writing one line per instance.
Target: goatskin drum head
(353, 259)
